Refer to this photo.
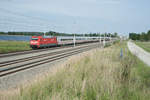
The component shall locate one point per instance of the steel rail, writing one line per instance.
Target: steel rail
(59, 54)
(29, 51)
(38, 50)
(5, 63)
(44, 61)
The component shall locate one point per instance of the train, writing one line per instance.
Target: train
(51, 41)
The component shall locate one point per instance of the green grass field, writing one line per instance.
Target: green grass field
(96, 75)
(13, 46)
(144, 45)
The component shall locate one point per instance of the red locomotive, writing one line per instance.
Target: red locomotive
(41, 42)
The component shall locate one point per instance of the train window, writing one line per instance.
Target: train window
(35, 39)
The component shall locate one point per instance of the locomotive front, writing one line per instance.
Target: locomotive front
(35, 42)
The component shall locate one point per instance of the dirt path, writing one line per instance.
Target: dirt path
(139, 52)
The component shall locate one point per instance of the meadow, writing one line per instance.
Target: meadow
(99, 74)
(13, 46)
(144, 45)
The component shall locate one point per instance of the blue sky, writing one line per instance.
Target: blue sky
(82, 16)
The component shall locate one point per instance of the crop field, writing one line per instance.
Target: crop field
(13, 46)
(144, 45)
(99, 74)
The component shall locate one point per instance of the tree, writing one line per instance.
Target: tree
(116, 34)
(143, 36)
(148, 35)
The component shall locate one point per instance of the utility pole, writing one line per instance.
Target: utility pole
(100, 38)
(44, 34)
(110, 38)
(104, 40)
(74, 40)
(83, 36)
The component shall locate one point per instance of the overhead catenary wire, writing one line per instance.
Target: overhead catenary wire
(22, 15)
(26, 22)
(20, 21)
(18, 17)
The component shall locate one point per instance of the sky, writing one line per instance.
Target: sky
(75, 16)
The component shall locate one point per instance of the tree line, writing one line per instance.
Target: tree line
(52, 33)
(140, 36)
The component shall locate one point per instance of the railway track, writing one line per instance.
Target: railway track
(2, 64)
(30, 51)
(9, 67)
(35, 51)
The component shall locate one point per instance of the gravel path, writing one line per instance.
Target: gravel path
(139, 52)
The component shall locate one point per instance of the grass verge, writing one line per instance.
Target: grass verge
(13, 46)
(144, 45)
(96, 75)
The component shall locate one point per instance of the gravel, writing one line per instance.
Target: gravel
(139, 52)
(19, 79)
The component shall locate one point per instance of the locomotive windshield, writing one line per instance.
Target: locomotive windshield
(35, 39)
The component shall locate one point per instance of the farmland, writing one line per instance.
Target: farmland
(13, 46)
(144, 45)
